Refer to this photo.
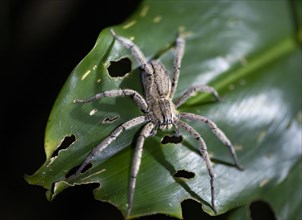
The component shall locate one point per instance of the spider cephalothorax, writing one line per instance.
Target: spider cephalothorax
(159, 111)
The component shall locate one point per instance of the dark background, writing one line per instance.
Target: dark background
(41, 41)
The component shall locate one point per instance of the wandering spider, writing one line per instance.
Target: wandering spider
(159, 112)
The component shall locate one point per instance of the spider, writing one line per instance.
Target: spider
(159, 112)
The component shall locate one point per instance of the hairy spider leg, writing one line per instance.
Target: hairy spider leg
(146, 132)
(108, 140)
(179, 52)
(219, 134)
(204, 154)
(192, 91)
(135, 51)
(137, 98)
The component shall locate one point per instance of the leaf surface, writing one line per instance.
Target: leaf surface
(238, 48)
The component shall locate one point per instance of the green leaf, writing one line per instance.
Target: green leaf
(248, 51)
(291, 188)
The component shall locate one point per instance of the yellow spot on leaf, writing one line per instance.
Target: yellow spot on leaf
(261, 136)
(129, 24)
(93, 175)
(157, 19)
(93, 111)
(181, 28)
(210, 155)
(144, 11)
(238, 147)
(85, 74)
(231, 87)
(263, 182)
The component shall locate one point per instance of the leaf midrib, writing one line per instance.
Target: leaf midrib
(277, 51)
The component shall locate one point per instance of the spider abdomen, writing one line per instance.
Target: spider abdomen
(159, 83)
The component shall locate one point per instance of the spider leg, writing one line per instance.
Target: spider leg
(176, 130)
(137, 98)
(179, 52)
(220, 135)
(147, 131)
(105, 143)
(205, 156)
(192, 91)
(136, 52)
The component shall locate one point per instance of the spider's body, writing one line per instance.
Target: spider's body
(162, 111)
(159, 112)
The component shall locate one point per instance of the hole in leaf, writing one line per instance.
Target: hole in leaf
(81, 190)
(261, 210)
(184, 174)
(119, 68)
(74, 170)
(174, 139)
(191, 209)
(157, 217)
(68, 140)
